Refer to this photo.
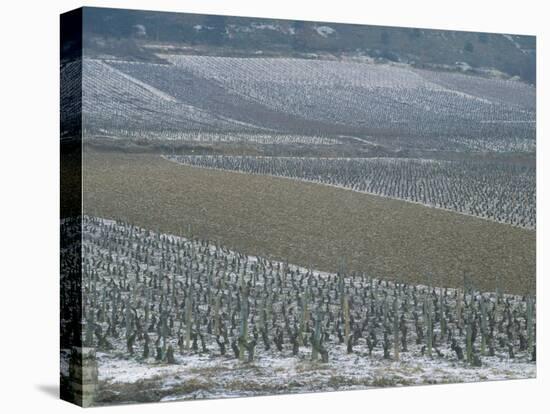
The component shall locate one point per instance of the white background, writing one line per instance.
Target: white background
(29, 203)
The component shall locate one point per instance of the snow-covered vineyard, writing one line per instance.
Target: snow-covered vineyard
(173, 318)
(398, 105)
(358, 93)
(500, 192)
(201, 136)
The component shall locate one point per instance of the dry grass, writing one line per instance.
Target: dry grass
(309, 223)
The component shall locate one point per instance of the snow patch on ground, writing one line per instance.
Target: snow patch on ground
(516, 44)
(217, 377)
(262, 26)
(324, 31)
